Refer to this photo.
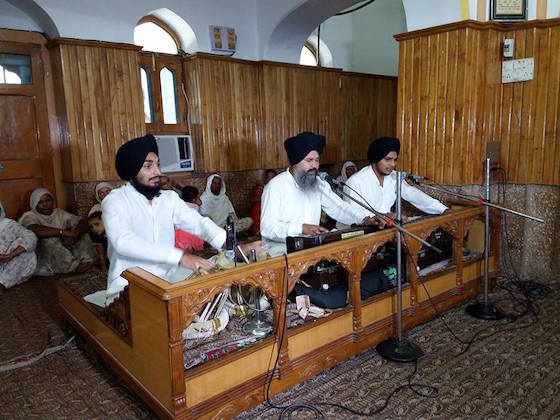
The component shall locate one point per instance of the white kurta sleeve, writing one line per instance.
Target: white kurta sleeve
(273, 224)
(340, 210)
(120, 230)
(191, 221)
(421, 200)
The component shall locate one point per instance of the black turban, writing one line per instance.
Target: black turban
(131, 156)
(381, 147)
(299, 146)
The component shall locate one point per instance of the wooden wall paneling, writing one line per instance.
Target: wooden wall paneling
(459, 102)
(368, 111)
(296, 99)
(225, 99)
(460, 122)
(551, 147)
(506, 122)
(542, 68)
(420, 147)
(483, 72)
(446, 174)
(415, 118)
(191, 68)
(58, 58)
(513, 143)
(101, 107)
(442, 93)
(527, 112)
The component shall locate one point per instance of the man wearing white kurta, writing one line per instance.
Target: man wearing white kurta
(377, 182)
(292, 203)
(139, 220)
(290, 210)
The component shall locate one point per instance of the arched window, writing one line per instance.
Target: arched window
(146, 81)
(160, 76)
(315, 53)
(154, 35)
(308, 56)
(167, 81)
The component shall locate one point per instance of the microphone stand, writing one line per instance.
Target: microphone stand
(485, 309)
(256, 326)
(388, 220)
(399, 349)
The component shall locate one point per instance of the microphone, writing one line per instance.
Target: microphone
(326, 177)
(231, 239)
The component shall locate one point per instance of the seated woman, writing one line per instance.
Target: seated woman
(64, 245)
(256, 207)
(17, 252)
(348, 169)
(101, 191)
(217, 206)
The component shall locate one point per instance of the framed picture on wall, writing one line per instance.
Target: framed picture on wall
(508, 10)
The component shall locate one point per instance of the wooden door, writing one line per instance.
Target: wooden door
(25, 155)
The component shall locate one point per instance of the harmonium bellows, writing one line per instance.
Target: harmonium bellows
(298, 243)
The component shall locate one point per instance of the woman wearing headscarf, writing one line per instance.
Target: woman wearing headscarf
(62, 246)
(348, 169)
(17, 252)
(101, 191)
(217, 206)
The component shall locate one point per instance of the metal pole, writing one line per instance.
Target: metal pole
(399, 262)
(399, 349)
(486, 230)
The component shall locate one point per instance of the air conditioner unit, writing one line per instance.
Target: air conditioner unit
(175, 153)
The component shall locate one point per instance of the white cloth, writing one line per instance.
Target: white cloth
(142, 234)
(216, 207)
(286, 207)
(12, 236)
(382, 198)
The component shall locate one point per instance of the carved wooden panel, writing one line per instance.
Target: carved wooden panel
(117, 315)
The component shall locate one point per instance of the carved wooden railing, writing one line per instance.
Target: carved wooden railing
(278, 276)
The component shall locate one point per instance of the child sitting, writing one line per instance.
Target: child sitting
(98, 238)
(191, 196)
(186, 240)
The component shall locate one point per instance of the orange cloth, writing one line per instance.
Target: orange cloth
(186, 240)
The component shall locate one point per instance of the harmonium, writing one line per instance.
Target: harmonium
(442, 240)
(298, 243)
(325, 274)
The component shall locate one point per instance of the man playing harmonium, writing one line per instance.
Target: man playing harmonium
(292, 203)
(377, 182)
(140, 218)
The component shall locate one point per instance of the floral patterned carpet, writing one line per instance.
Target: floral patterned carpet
(511, 370)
